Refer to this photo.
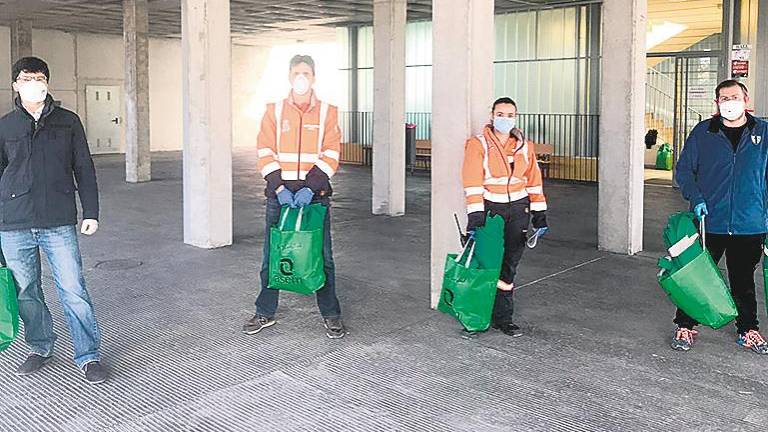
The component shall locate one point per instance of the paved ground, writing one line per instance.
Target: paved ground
(595, 355)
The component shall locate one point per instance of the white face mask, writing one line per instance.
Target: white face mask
(300, 85)
(33, 91)
(732, 110)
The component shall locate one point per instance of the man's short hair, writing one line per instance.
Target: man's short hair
(30, 65)
(299, 59)
(730, 83)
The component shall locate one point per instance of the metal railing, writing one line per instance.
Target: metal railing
(568, 143)
(574, 142)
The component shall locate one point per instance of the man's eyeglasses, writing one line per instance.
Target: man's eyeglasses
(722, 99)
(26, 79)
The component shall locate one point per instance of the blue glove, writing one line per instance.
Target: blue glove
(700, 210)
(541, 231)
(284, 196)
(303, 197)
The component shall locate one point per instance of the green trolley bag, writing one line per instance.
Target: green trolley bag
(690, 277)
(9, 309)
(296, 250)
(469, 288)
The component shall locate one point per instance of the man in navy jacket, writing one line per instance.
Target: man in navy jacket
(722, 173)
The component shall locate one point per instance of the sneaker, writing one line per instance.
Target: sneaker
(683, 340)
(754, 341)
(32, 364)
(95, 372)
(257, 324)
(508, 329)
(334, 328)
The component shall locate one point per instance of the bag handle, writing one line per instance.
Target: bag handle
(469, 257)
(703, 230)
(298, 219)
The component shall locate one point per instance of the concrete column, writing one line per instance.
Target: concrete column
(21, 39)
(389, 107)
(462, 91)
(136, 42)
(760, 53)
(207, 99)
(622, 98)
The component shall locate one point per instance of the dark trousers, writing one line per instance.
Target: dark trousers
(516, 217)
(742, 254)
(327, 302)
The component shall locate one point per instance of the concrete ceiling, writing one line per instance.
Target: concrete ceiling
(248, 17)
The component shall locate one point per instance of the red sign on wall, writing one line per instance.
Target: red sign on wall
(739, 68)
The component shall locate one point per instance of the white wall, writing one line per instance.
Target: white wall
(78, 60)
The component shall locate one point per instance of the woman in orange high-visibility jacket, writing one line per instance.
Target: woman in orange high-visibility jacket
(502, 177)
(298, 148)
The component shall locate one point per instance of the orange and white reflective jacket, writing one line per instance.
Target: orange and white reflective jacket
(488, 172)
(302, 141)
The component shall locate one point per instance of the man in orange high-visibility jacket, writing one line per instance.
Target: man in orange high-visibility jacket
(502, 177)
(298, 148)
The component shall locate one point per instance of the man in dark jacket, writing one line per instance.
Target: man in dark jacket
(44, 159)
(722, 173)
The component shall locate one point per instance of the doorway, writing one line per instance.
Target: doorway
(104, 126)
(679, 95)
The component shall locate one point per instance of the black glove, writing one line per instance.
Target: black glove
(274, 180)
(539, 219)
(318, 181)
(475, 220)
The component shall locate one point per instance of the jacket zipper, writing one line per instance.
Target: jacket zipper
(301, 131)
(506, 168)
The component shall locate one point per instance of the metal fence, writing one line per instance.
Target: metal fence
(568, 143)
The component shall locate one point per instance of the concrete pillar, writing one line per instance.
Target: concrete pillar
(207, 99)
(462, 90)
(21, 39)
(760, 53)
(622, 98)
(389, 107)
(136, 42)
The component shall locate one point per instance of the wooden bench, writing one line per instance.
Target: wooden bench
(544, 154)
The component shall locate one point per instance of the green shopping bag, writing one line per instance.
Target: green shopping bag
(664, 157)
(296, 250)
(489, 242)
(696, 285)
(9, 309)
(468, 292)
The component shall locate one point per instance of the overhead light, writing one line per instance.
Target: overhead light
(661, 33)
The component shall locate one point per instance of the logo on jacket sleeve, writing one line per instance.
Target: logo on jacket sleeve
(756, 139)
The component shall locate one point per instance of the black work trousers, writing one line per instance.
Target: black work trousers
(516, 217)
(742, 254)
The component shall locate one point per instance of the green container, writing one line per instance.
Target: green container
(9, 309)
(664, 157)
(296, 250)
(469, 279)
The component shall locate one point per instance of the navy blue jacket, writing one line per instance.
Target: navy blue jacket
(731, 183)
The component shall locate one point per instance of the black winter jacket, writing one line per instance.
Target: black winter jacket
(40, 164)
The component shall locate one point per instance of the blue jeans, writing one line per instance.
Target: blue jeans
(22, 254)
(327, 302)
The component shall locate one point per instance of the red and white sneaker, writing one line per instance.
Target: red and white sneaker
(754, 341)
